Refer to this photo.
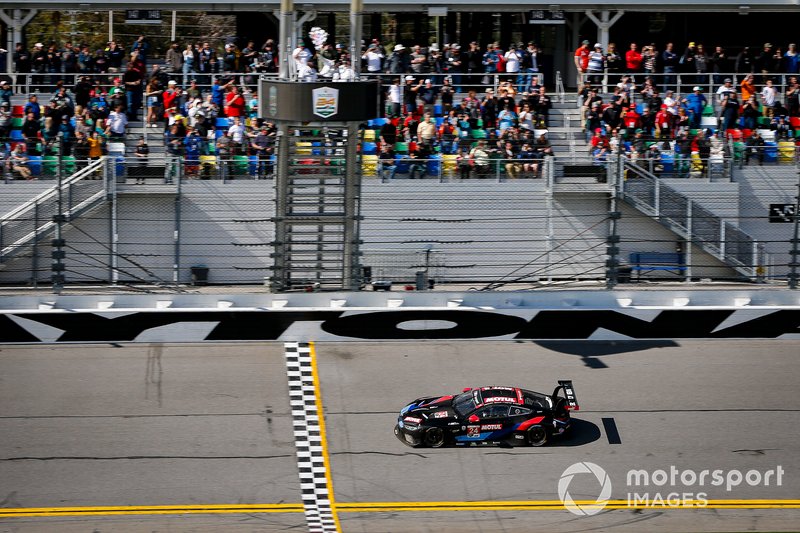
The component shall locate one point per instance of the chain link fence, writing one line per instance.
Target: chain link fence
(170, 223)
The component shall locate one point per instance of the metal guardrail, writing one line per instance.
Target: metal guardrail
(35, 218)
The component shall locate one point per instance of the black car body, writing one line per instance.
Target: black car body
(487, 415)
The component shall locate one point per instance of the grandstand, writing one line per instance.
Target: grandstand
(486, 180)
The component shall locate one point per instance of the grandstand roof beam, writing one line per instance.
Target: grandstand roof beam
(604, 24)
(14, 24)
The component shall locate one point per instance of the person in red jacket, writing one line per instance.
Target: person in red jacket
(234, 103)
(633, 59)
(169, 98)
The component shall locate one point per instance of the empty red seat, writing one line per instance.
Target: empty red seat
(795, 122)
(17, 111)
(747, 133)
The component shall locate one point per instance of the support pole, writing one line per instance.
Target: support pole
(286, 30)
(356, 14)
(604, 24)
(794, 253)
(14, 26)
(110, 25)
(174, 25)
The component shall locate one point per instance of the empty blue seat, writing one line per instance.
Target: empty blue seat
(16, 135)
(438, 111)
(439, 121)
(35, 164)
(639, 108)
(370, 148)
(770, 151)
(222, 122)
(433, 165)
(378, 122)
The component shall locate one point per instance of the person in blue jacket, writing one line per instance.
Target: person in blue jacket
(695, 103)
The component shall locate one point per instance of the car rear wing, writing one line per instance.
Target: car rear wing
(569, 394)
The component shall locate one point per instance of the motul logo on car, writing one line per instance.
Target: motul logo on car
(412, 420)
(501, 399)
(491, 427)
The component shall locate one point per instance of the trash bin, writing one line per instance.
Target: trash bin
(199, 275)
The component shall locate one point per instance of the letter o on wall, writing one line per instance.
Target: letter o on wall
(384, 325)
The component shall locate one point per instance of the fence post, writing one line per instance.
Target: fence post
(794, 253)
(689, 240)
(722, 242)
(657, 197)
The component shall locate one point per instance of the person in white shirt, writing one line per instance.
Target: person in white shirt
(117, 122)
(307, 72)
(374, 58)
(395, 97)
(671, 102)
(343, 72)
(512, 60)
(301, 56)
(236, 133)
(725, 89)
(768, 96)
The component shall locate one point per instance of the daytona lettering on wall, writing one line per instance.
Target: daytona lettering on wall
(260, 325)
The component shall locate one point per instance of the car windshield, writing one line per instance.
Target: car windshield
(464, 402)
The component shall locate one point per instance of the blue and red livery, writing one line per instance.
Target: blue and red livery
(487, 415)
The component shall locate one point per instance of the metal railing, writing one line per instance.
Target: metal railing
(35, 218)
(691, 221)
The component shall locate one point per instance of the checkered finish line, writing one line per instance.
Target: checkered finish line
(309, 438)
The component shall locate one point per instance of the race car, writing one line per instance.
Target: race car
(487, 416)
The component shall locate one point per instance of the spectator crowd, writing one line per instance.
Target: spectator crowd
(479, 104)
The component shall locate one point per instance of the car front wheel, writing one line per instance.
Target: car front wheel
(537, 436)
(434, 437)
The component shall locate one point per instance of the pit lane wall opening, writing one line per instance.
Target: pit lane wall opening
(546, 315)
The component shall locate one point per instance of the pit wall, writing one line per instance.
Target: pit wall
(545, 315)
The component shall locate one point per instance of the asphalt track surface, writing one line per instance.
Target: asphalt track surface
(117, 429)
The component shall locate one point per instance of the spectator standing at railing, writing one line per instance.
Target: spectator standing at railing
(82, 91)
(596, 64)
(750, 113)
(190, 61)
(207, 61)
(633, 60)
(765, 61)
(230, 58)
(174, 58)
(234, 103)
(81, 149)
(373, 57)
(649, 59)
(513, 62)
(66, 133)
(701, 65)
(791, 60)
(719, 63)
(117, 123)
(454, 64)
(615, 63)
(428, 94)
(581, 59)
(132, 80)
(748, 87)
(730, 108)
(725, 90)
(142, 48)
(38, 63)
(238, 135)
(669, 65)
(116, 55)
(488, 109)
(154, 95)
(419, 60)
(793, 96)
(695, 103)
(95, 142)
(22, 62)
(491, 58)
(769, 96)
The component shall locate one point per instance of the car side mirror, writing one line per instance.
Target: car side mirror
(466, 389)
(473, 419)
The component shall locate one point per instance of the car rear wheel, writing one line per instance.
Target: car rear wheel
(434, 437)
(537, 436)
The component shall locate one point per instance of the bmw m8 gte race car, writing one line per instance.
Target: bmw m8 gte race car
(486, 416)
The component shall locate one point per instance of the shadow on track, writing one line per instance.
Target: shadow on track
(592, 351)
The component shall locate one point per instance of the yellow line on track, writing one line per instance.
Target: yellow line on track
(322, 436)
(378, 507)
